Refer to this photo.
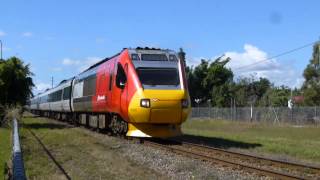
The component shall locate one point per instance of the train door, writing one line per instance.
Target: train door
(111, 69)
(124, 92)
(121, 83)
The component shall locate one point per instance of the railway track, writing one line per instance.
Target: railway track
(250, 163)
(47, 151)
(255, 164)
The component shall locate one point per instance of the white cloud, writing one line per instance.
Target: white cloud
(39, 87)
(277, 72)
(250, 56)
(81, 64)
(27, 34)
(67, 61)
(2, 33)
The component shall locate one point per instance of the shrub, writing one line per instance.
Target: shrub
(8, 113)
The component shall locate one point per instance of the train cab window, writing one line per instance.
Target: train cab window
(154, 57)
(151, 77)
(172, 57)
(121, 78)
(135, 57)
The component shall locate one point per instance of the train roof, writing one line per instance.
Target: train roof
(131, 50)
(47, 91)
(137, 49)
(100, 62)
(153, 50)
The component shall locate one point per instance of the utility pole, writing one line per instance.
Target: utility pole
(52, 82)
(198, 102)
(209, 103)
(231, 109)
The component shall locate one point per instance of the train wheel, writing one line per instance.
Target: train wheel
(118, 126)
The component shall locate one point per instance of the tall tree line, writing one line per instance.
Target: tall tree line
(15, 83)
(311, 86)
(212, 83)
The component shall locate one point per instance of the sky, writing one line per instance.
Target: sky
(60, 38)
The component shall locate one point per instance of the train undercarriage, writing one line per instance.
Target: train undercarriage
(113, 123)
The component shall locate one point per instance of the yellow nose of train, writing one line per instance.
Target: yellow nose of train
(158, 113)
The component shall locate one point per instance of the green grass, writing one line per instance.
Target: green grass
(299, 142)
(5, 149)
(81, 153)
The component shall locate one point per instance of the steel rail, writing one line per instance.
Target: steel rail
(243, 155)
(249, 168)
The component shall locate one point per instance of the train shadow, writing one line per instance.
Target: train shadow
(44, 126)
(32, 116)
(216, 142)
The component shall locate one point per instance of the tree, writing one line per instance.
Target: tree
(276, 96)
(249, 91)
(197, 89)
(15, 82)
(218, 82)
(257, 89)
(311, 86)
(210, 81)
(316, 55)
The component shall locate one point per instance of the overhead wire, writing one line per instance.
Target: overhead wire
(278, 55)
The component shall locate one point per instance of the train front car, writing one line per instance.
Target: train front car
(158, 99)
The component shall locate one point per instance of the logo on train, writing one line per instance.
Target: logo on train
(100, 98)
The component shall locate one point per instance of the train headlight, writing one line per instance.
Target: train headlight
(184, 103)
(145, 103)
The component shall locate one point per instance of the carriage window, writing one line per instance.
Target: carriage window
(66, 93)
(89, 85)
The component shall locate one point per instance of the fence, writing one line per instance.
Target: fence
(296, 115)
(17, 160)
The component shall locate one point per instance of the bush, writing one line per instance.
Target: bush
(8, 113)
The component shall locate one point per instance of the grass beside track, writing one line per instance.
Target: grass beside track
(302, 143)
(5, 149)
(77, 151)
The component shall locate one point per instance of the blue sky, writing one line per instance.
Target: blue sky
(60, 38)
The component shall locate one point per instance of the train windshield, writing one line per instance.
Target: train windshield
(159, 78)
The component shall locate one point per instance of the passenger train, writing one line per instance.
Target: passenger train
(139, 92)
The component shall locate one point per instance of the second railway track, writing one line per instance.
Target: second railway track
(255, 164)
